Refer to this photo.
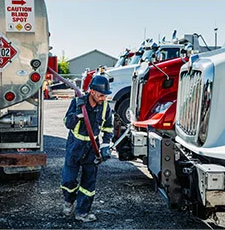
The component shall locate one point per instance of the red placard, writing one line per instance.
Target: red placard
(7, 52)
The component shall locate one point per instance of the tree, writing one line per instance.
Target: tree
(63, 65)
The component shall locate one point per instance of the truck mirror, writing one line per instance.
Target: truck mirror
(183, 51)
(168, 83)
(153, 58)
(153, 55)
(111, 79)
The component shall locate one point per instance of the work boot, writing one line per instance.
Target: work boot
(68, 208)
(86, 217)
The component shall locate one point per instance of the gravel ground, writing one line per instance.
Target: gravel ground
(125, 196)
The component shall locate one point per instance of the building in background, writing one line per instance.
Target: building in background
(90, 60)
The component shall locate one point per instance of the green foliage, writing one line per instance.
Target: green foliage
(63, 65)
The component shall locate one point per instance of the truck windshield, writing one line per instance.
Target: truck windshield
(169, 53)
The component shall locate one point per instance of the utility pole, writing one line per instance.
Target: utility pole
(216, 29)
(144, 33)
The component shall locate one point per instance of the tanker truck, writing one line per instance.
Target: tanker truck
(24, 49)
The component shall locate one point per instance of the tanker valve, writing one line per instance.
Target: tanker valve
(16, 120)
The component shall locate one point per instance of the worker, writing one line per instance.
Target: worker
(45, 89)
(79, 150)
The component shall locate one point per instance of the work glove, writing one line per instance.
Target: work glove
(80, 101)
(105, 152)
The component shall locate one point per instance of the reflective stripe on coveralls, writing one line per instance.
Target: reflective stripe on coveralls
(81, 189)
(79, 136)
(87, 138)
(105, 129)
(69, 190)
(108, 130)
(86, 192)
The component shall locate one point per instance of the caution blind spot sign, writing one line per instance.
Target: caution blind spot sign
(20, 16)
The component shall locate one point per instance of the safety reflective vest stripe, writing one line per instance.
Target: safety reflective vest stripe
(79, 136)
(81, 189)
(105, 129)
(103, 113)
(87, 138)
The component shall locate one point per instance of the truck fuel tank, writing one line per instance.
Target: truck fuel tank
(24, 50)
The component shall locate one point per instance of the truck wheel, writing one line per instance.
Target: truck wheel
(124, 150)
(201, 211)
(122, 110)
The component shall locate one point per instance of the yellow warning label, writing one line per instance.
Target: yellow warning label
(19, 27)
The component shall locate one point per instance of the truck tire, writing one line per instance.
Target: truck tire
(123, 109)
(201, 211)
(124, 150)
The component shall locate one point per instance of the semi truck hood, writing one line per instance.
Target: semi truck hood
(120, 78)
(121, 74)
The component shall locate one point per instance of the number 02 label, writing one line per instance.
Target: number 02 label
(4, 52)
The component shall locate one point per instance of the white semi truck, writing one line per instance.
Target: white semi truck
(189, 168)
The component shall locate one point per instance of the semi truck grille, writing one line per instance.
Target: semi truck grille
(190, 91)
(138, 80)
(194, 96)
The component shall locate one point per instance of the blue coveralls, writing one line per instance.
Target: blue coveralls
(79, 153)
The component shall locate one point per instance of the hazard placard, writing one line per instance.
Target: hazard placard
(20, 16)
(7, 52)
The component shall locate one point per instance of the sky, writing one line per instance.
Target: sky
(111, 26)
